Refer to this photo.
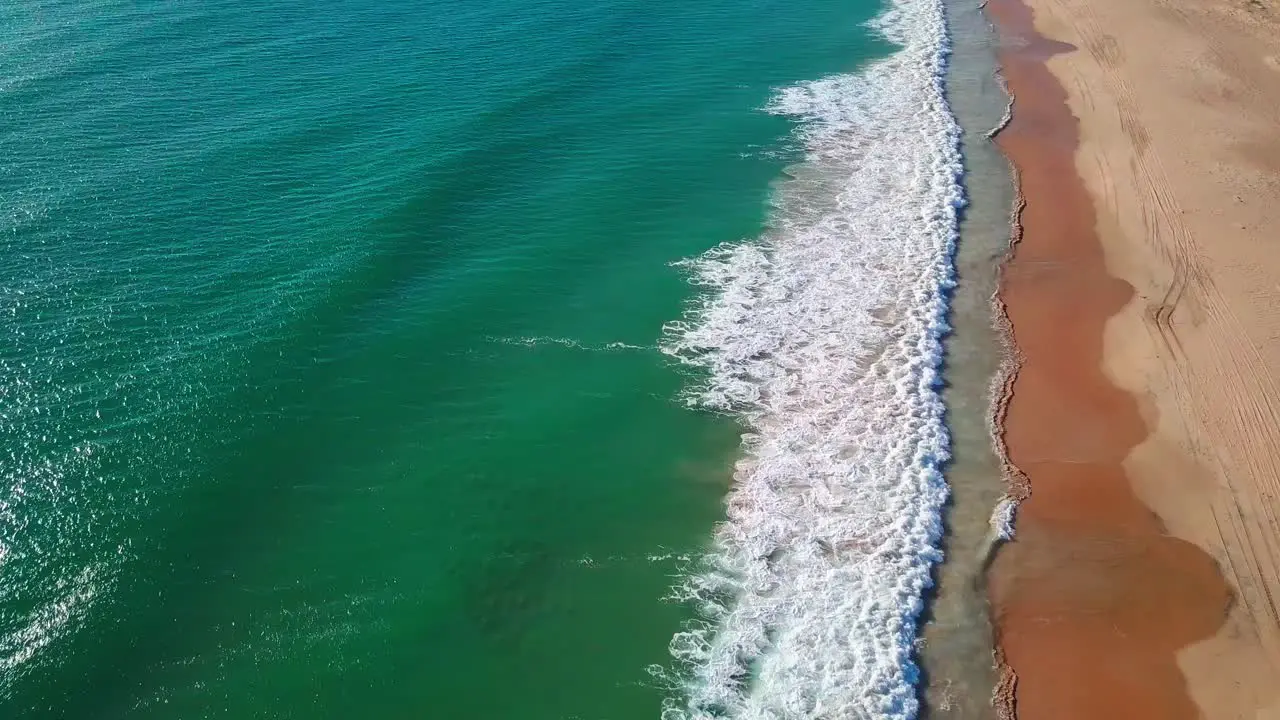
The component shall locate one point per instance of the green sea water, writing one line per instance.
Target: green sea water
(328, 372)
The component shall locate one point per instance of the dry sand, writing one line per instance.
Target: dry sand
(1145, 298)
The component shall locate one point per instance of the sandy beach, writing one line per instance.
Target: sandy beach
(1143, 296)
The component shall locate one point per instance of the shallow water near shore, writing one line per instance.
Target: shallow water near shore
(956, 653)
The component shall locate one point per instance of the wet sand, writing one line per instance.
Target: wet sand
(1143, 297)
(955, 653)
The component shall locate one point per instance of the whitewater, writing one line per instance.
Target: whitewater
(824, 336)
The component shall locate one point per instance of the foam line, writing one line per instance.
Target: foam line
(825, 337)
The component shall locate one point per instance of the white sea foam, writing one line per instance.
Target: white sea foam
(1002, 518)
(825, 337)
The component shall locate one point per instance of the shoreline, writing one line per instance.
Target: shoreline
(1121, 578)
(956, 625)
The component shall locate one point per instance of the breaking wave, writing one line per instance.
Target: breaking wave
(825, 338)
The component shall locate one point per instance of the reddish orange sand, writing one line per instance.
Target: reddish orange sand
(1092, 600)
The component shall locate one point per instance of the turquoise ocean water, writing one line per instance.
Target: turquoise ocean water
(329, 373)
